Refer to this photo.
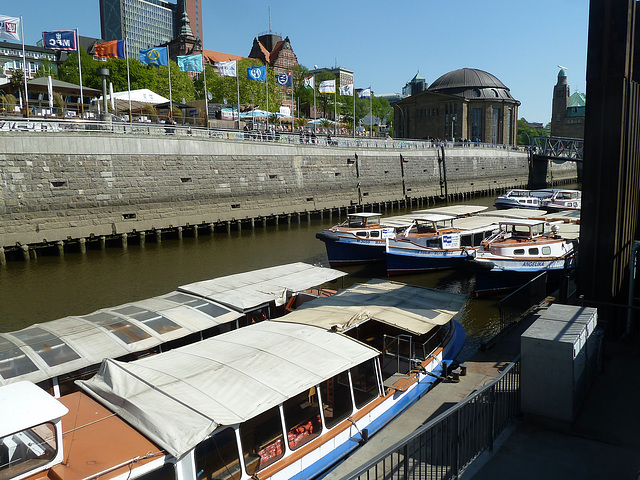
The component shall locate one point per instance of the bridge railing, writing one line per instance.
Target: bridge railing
(558, 147)
(144, 128)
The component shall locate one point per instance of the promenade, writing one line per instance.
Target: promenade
(602, 443)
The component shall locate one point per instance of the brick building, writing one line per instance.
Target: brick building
(567, 111)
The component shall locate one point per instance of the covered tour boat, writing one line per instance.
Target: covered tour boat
(563, 200)
(362, 237)
(274, 400)
(521, 198)
(436, 242)
(517, 252)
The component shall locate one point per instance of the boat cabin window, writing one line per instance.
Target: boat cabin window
(546, 250)
(361, 234)
(13, 362)
(519, 230)
(336, 399)
(537, 229)
(357, 221)
(153, 320)
(423, 227)
(518, 251)
(365, 383)
(374, 233)
(166, 472)
(217, 457)
(124, 330)
(434, 242)
(262, 440)
(27, 450)
(302, 418)
(533, 251)
(50, 348)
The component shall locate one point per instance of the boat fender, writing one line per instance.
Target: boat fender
(325, 237)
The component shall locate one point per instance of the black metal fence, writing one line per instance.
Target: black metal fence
(445, 446)
(517, 303)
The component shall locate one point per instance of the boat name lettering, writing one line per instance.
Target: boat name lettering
(533, 264)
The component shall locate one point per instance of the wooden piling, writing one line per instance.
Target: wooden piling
(82, 242)
(125, 240)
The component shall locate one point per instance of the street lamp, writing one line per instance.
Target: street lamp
(402, 120)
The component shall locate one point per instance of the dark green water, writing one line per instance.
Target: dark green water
(53, 287)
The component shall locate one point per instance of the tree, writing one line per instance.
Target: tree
(383, 110)
(46, 69)
(17, 80)
(68, 71)
(526, 133)
(141, 75)
(181, 83)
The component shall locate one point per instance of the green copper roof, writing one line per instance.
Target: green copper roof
(577, 100)
(562, 73)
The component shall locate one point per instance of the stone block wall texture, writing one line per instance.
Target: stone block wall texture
(59, 186)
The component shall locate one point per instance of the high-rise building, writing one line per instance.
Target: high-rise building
(148, 23)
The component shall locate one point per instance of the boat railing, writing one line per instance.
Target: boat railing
(445, 446)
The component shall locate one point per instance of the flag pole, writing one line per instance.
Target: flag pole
(24, 69)
(353, 86)
(170, 97)
(126, 52)
(266, 88)
(370, 113)
(80, 73)
(293, 110)
(238, 87)
(335, 108)
(314, 104)
(206, 94)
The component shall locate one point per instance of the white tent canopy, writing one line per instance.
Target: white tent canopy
(411, 308)
(138, 99)
(224, 380)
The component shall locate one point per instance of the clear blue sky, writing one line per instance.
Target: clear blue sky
(385, 43)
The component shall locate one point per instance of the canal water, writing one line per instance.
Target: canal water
(53, 287)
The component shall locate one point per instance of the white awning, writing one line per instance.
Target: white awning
(224, 380)
(249, 290)
(414, 309)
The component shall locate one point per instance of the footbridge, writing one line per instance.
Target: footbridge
(556, 149)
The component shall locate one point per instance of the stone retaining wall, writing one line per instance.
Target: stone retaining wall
(59, 186)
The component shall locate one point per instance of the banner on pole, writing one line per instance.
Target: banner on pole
(154, 56)
(284, 79)
(257, 73)
(328, 86)
(112, 49)
(10, 27)
(346, 89)
(365, 93)
(190, 63)
(50, 91)
(309, 82)
(60, 40)
(227, 69)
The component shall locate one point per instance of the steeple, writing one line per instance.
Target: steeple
(185, 25)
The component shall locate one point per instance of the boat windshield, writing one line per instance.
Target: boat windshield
(27, 450)
(423, 227)
(357, 221)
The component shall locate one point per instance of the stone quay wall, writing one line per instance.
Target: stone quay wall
(58, 186)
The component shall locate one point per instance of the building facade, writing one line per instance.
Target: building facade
(416, 85)
(567, 110)
(36, 58)
(465, 104)
(148, 23)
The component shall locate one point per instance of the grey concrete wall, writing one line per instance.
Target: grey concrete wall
(56, 185)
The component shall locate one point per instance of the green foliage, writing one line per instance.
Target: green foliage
(17, 80)
(527, 133)
(46, 69)
(181, 83)
(68, 71)
(383, 110)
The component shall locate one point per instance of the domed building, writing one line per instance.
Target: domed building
(465, 104)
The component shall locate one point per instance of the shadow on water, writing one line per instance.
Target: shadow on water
(48, 288)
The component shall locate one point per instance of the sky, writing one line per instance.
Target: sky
(385, 43)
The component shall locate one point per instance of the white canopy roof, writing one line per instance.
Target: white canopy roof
(250, 290)
(224, 380)
(414, 309)
(24, 405)
(61, 346)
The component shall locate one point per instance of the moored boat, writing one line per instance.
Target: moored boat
(56, 353)
(435, 242)
(516, 253)
(277, 399)
(362, 237)
(563, 200)
(522, 198)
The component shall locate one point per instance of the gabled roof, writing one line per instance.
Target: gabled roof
(213, 57)
(577, 99)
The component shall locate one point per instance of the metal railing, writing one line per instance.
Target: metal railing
(559, 148)
(444, 447)
(11, 124)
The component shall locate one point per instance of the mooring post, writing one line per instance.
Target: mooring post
(158, 236)
(239, 225)
(3, 258)
(195, 231)
(25, 253)
(142, 237)
(289, 219)
(102, 240)
(253, 223)
(83, 245)
(179, 233)
(125, 240)
(60, 245)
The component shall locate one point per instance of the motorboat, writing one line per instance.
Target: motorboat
(361, 238)
(56, 353)
(436, 242)
(563, 200)
(279, 399)
(519, 250)
(521, 198)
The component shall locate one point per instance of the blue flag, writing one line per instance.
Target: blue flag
(60, 40)
(190, 63)
(365, 93)
(154, 56)
(257, 73)
(283, 79)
